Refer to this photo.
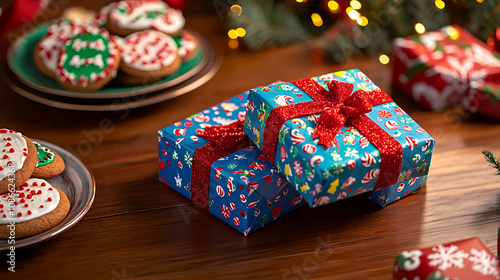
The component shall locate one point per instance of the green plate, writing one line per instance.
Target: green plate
(20, 59)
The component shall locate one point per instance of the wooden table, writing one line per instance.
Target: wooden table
(137, 228)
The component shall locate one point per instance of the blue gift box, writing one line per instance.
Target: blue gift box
(393, 193)
(325, 175)
(245, 190)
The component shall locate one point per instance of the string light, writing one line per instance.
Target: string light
(241, 31)
(301, 1)
(333, 6)
(452, 32)
(316, 19)
(236, 9)
(420, 28)
(233, 34)
(363, 21)
(233, 43)
(353, 14)
(439, 4)
(479, 1)
(355, 4)
(384, 59)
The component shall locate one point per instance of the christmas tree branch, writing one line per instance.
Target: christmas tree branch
(491, 159)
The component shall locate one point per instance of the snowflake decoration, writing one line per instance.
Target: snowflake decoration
(231, 166)
(483, 263)
(326, 173)
(336, 156)
(175, 155)
(178, 181)
(337, 168)
(389, 105)
(352, 153)
(406, 120)
(188, 158)
(349, 139)
(239, 157)
(447, 257)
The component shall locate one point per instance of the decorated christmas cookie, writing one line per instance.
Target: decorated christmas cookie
(46, 52)
(88, 61)
(126, 17)
(17, 159)
(49, 163)
(149, 54)
(187, 45)
(37, 207)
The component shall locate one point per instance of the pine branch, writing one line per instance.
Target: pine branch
(491, 159)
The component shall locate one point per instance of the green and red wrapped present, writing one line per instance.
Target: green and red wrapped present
(337, 135)
(464, 259)
(449, 66)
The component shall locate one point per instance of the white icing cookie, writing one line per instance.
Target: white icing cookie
(188, 46)
(147, 14)
(33, 200)
(148, 50)
(13, 152)
(50, 45)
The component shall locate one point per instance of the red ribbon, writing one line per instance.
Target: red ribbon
(337, 105)
(224, 140)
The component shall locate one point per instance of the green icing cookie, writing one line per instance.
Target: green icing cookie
(87, 58)
(45, 155)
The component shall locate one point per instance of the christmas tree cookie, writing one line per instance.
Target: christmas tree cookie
(36, 207)
(127, 17)
(17, 159)
(88, 61)
(49, 163)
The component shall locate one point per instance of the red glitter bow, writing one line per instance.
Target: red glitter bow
(224, 140)
(337, 105)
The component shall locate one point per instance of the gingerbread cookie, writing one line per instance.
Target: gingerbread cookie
(88, 61)
(46, 52)
(149, 54)
(187, 46)
(49, 163)
(127, 17)
(33, 208)
(17, 159)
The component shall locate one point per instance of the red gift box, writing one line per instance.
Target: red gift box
(464, 259)
(446, 67)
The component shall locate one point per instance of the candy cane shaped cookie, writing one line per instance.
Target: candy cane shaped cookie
(127, 17)
(88, 61)
(18, 159)
(46, 52)
(36, 207)
(149, 54)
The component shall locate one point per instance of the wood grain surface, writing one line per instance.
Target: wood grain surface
(140, 229)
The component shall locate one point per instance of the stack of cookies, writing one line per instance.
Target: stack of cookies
(28, 203)
(135, 41)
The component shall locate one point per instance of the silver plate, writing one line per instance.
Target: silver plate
(77, 183)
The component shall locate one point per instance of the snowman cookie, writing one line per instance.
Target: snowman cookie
(18, 159)
(47, 50)
(33, 208)
(187, 46)
(127, 17)
(88, 61)
(49, 163)
(149, 54)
